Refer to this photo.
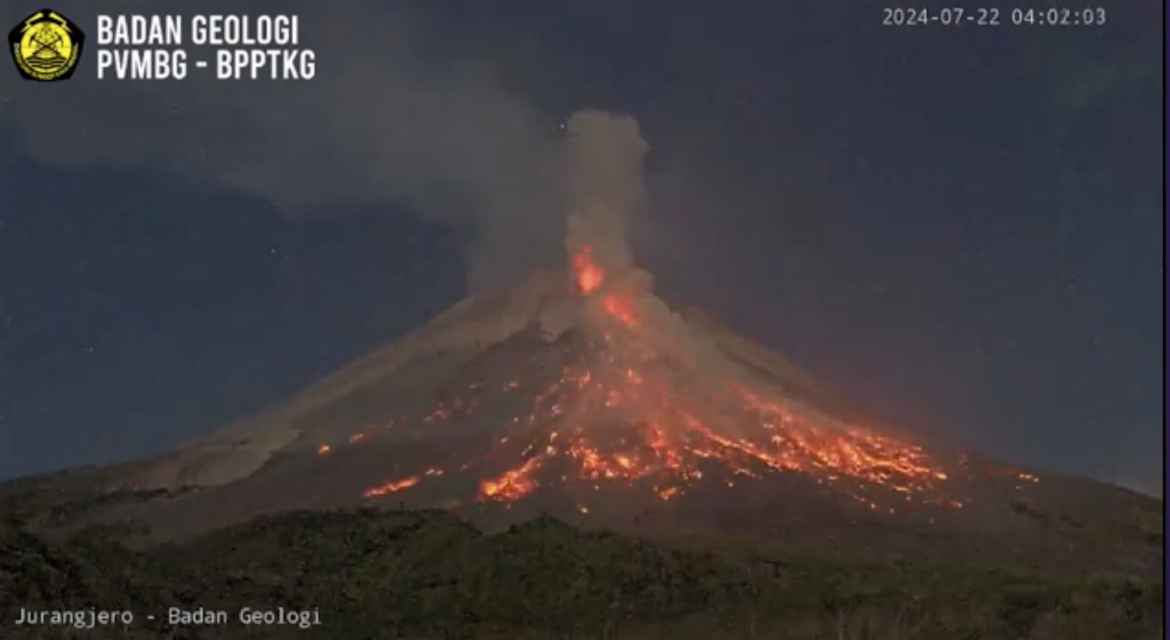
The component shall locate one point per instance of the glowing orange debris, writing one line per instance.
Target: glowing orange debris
(589, 275)
(619, 309)
(625, 413)
(392, 487)
(513, 484)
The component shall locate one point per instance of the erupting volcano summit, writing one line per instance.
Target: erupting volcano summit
(580, 393)
(627, 393)
(613, 388)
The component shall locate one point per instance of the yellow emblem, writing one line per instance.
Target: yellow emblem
(46, 46)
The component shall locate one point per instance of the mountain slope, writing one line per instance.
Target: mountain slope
(540, 400)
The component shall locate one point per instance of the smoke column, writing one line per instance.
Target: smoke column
(605, 185)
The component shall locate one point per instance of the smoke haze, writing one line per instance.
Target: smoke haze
(385, 122)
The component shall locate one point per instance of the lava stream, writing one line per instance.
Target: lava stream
(629, 414)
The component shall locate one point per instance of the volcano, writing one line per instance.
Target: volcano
(587, 398)
(581, 393)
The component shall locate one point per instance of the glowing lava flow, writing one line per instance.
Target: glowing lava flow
(512, 485)
(589, 275)
(632, 416)
(391, 487)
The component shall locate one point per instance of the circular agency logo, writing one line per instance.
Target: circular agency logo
(46, 46)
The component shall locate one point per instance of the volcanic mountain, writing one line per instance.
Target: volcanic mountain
(582, 394)
(586, 397)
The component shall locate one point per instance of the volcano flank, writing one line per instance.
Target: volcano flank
(582, 394)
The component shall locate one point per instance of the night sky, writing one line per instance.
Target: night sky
(961, 228)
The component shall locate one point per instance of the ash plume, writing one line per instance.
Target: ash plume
(391, 119)
(605, 185)
(606, 193)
